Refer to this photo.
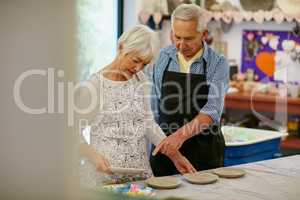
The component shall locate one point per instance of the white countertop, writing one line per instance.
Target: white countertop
(267, 180)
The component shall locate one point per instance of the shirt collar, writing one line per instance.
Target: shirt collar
(194, 58)
(173, 53)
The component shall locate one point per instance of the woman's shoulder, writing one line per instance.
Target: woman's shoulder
(144, 82)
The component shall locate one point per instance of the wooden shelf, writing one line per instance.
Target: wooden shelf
(262, 103)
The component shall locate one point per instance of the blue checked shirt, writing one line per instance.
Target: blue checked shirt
(217, 76)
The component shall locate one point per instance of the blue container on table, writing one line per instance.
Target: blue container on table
(244, 145)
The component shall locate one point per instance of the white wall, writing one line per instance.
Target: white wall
(131, 11)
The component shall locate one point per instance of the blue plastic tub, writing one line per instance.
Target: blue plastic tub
(244, 145)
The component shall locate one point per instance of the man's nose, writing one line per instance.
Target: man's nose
(181, 44)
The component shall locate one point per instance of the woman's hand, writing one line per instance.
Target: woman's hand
(101, 163)
(95, 158)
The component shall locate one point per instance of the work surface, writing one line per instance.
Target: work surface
(268, 180)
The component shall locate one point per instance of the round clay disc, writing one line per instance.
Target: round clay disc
(201, 178)
(229, 172)
(164, 182)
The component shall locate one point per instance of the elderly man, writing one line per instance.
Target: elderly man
(189, 83)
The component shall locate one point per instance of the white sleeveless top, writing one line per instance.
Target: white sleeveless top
(122, 127)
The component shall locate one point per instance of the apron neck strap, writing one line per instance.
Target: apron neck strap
(204, 65)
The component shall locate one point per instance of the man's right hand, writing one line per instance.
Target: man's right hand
(182, 164)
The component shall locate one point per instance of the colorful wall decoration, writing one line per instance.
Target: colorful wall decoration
(266, 52)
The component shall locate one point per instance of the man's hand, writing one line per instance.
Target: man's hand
(182, 164)
(170, 145)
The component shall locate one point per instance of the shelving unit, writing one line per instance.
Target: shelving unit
(259, 17)
(240, 16)
(262, 102)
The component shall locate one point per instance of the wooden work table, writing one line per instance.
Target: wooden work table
(262, 102)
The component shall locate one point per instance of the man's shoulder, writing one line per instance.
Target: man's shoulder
(168, 50)
(217, 62)
(164, 55)
(216, 58)
(213, 55)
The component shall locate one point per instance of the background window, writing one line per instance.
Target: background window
(97, 35)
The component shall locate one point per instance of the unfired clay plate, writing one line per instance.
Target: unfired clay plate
(164, 182)
(201, 178)
(229, 172)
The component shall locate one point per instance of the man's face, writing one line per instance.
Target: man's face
(187, 39)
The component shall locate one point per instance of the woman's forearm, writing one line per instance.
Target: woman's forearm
(87, 151)
(98, 160)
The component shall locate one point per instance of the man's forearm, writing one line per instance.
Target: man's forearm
(174, 156)
(197, 125)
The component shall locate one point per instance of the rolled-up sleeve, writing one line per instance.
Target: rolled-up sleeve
(218, 82)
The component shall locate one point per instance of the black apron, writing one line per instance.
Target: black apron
(182, 97)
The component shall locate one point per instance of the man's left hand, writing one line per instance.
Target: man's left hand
(170, 145)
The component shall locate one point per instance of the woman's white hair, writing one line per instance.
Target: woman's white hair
(188, 12)
(141, 40)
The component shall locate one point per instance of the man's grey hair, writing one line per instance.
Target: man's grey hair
(188, 12)
(140, 40)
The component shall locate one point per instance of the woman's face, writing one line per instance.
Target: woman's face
(131, 63)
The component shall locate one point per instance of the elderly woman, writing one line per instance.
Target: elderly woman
(122, 121)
